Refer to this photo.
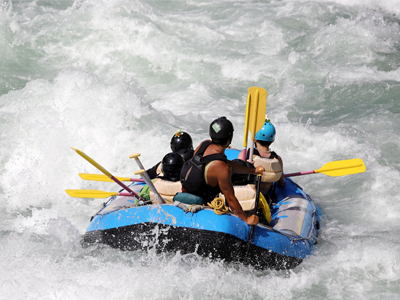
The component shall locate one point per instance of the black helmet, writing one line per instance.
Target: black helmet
(181, 140)
(243, 179)
(186, 153)
(221, 129)
(171, 166)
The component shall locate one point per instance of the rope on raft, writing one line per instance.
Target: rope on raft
(218, 204)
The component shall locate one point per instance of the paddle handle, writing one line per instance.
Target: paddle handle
(299, 173)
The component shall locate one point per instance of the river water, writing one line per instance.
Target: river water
(117, 77)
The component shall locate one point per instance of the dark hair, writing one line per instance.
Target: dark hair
(220, 142)
(264, 143)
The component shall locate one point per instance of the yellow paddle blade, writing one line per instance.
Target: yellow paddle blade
(253, 113)
(100, 177)
(92, 162)
(258, 106)
(247, 121)
(90, 194)
(343, 167)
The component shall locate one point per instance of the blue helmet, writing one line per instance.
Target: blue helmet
(267, 132)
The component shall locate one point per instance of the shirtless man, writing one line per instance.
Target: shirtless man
(209, 172)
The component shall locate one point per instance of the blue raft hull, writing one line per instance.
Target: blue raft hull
(283, 244)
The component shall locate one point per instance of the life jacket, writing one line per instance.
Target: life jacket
(246, 195)
(272, 166)
(192, 174)
(166, 188)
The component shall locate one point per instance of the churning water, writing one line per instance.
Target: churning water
(116, 77)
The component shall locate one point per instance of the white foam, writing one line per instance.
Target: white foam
(113, 78)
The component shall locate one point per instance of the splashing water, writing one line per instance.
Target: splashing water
(117, 77)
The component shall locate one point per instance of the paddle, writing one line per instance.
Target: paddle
(246, 126)
(100, 177)
(94, 194)
(150, 184)
(255, 116)
(139, 163)
(336, 168)
(256, 213)
(108, 174)
(142, 172)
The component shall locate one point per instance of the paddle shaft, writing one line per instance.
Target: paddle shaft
(140, 165)
(125, 194)
(299, 173)
(253, 227)
(147, 178)
(125, 187)
(142, 172)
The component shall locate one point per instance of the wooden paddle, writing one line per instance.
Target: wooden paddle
(336, 168)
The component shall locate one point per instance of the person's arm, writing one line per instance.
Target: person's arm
(221, 174)
(237, 168)
(153, 171)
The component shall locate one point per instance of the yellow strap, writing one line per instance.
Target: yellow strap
(218, 204)
(265, 208)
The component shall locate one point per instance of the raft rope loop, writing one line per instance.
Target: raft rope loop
(218, 204)
(194, 208)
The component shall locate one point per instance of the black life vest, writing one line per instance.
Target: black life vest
(256, 152)
(192, 174)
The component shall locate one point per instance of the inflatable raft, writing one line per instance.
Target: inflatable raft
(283, 244)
